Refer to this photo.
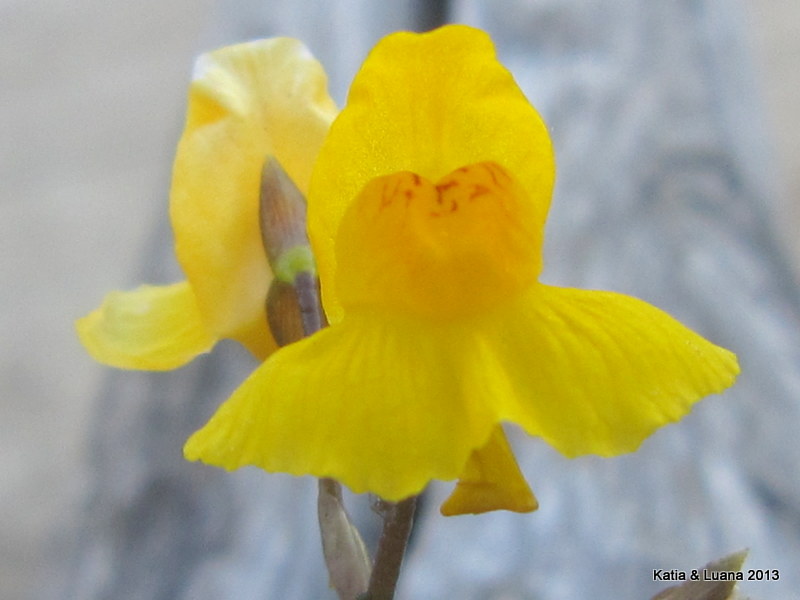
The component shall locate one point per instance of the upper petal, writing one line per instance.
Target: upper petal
(597, 372)
(153, 328)
(429, 104)
(247, 102)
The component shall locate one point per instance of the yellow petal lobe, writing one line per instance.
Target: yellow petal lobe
(427, 104)
(596, 372)
(368, 402)
(446, 249)
(153, 328)
(247, 102)
(491, 481)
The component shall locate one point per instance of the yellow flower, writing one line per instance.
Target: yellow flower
(427, 206)
(239, 115)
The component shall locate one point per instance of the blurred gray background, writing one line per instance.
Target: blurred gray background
(92, 98)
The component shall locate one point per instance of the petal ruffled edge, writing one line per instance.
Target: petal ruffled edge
(386, 404)
(597, 372)
(353, 402)
(155, 328)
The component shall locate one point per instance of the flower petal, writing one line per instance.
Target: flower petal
(597, 372)
(444, 250)
(425, 103)
(491, 481)
(153, 328)
(247, 102)
(385, 403)
(369, 402)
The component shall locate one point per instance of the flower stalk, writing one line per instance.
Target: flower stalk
(398, 519)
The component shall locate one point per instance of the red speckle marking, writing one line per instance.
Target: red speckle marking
(478, 190)
(490, 169)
